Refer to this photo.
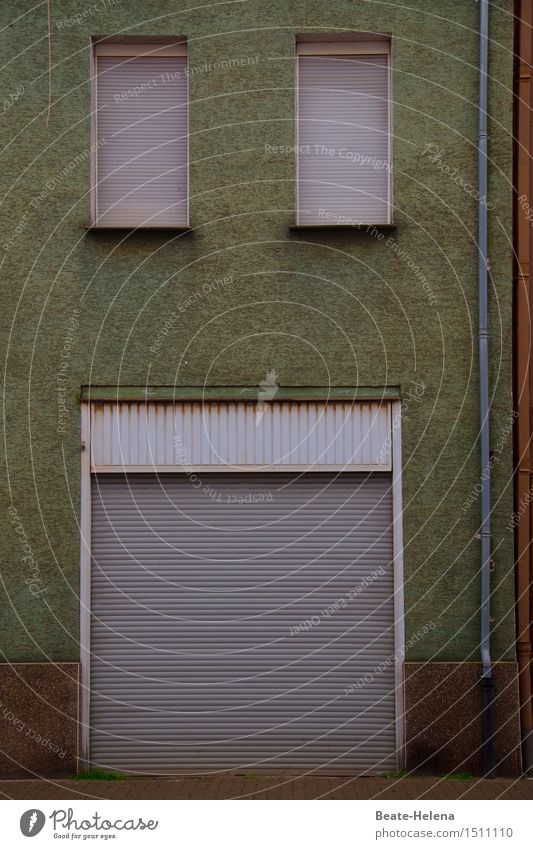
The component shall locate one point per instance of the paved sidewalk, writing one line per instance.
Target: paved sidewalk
(269, 787)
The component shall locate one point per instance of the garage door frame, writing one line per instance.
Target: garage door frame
(86, 473)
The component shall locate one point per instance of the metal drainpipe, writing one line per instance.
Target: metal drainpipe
(487, 681)
(523, 376)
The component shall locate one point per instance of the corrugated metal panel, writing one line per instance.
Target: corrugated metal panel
(222, 433)
(343, 157)
(142, 137)
(243, 623)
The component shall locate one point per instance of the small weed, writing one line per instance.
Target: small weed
(458, 776)
(400, 774)
(99, 774)
(252, 775)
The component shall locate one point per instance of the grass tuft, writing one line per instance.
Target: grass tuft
(459, 776)
(99, 774)
(400, 774)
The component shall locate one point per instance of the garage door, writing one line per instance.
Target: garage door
(242, 621)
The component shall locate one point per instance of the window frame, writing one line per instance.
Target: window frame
(343, 44)
(130, 47)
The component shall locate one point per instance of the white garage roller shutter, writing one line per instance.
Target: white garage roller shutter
(141, 167)
(343, 140)
(242, 622)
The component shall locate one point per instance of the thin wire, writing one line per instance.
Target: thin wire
(49, 61)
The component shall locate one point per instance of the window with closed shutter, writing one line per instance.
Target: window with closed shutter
(141, 173)
(344, 163)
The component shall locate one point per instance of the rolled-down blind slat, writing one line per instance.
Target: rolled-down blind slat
(142, 141)
(343, 135)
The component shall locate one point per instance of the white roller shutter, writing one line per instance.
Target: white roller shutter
(141, 128)
(343, 139)
(242, 622)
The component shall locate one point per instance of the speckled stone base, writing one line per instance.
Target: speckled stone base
(39, 709)
(443, 725)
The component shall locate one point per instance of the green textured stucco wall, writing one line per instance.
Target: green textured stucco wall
(319, 308)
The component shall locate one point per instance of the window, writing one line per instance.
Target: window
(140, 134)
(343, 144)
